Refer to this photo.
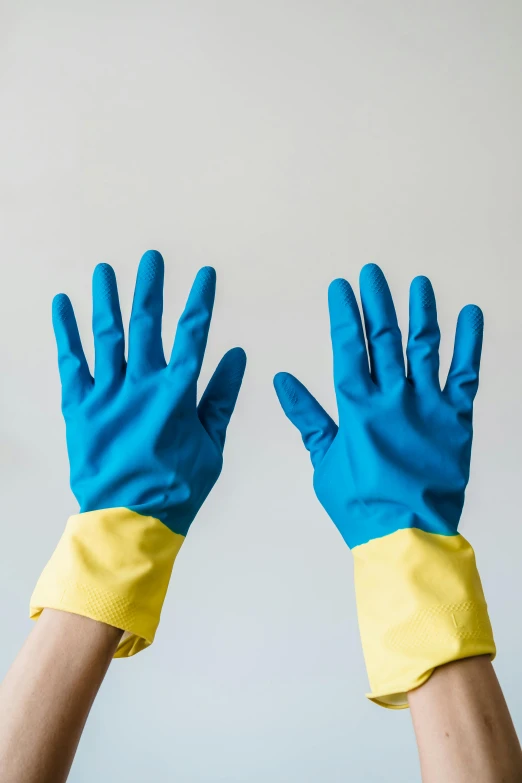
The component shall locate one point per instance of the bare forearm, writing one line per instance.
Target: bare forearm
(47, 695)
(463, 728)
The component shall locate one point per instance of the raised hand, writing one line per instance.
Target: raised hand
(392, 475)
(143, 453)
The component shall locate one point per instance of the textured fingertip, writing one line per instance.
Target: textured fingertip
(238, 355)
(472, 316)
(151, 253)
(62, 308)
(279, 379)
(372, 277)
(422, 291)
(236, 360)
(340, 290)
(205, 282)
(103, 281)
(151, 265)
(285, 388)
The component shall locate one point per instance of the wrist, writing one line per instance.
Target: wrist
(70, 627)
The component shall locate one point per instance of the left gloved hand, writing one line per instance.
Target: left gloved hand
(143, 453)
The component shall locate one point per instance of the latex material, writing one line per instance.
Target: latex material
(399, 458)
(420, 605)
(113, 566)
(137, 438)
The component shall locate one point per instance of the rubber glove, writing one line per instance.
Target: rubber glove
(143, 453)
(392, 474)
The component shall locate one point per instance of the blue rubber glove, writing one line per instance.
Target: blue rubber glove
(392, 476)
(143, 453)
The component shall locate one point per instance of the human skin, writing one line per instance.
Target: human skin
(463, 727)
(47, 695)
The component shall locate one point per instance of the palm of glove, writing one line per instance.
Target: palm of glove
(144, 450)
(400, 456)
(399, 463)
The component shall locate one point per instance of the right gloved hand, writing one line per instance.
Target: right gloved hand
(392, 476)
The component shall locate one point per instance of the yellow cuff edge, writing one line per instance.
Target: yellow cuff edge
(420, 605)
(113, 566)
(399, 700)
(78, 599)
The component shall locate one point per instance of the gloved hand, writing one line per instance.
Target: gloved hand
(392, 477)
(143, 453)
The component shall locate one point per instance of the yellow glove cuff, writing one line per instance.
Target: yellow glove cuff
(420, 604)
(113, 566)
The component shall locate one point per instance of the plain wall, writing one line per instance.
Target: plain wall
(285, 143)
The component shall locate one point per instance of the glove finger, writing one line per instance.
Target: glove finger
(219, 398)
(316, 427)
(107, 327)
(192, 332)
(145, 344)
(424, 335)
(351, 371)
(462, 384)
(72, 364)
(382, 330)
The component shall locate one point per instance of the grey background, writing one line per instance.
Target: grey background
(285, 143)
